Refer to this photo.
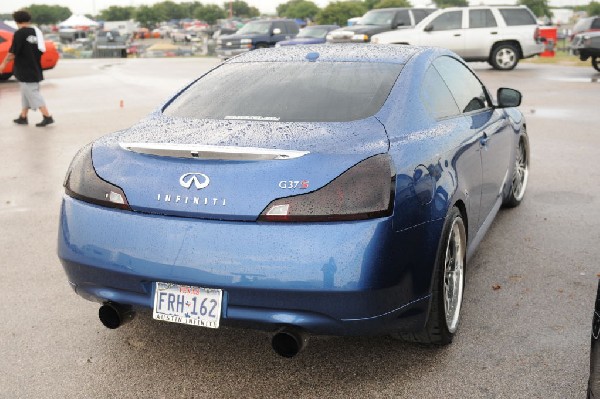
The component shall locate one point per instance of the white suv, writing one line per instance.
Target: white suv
(499, 35)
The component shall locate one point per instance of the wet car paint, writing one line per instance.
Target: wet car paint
(358, 277)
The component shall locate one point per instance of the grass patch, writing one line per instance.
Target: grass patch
(560, 58)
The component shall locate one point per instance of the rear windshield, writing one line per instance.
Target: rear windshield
(288, 92)
(518, 16)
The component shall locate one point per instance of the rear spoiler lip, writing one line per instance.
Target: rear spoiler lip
(214, 152)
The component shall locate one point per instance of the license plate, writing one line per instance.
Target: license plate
(184, 304)
(228, 52)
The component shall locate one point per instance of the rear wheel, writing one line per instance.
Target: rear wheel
(520, 175)
(596, 63)
(448, 285)
(504, 57)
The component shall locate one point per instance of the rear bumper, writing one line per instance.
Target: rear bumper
(352, 278)
(585, 52)
(531, 50)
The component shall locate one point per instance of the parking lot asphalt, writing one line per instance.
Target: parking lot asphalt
(530, 291)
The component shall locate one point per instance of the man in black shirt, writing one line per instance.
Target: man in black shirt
(26, 51)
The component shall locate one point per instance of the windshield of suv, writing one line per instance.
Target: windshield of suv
(261, 28)
(312, 32)
(288, 92)
(378, 18)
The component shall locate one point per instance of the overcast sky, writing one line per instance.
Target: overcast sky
(265, 6)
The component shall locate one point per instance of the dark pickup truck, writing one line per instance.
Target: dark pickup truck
(256, 34)
(587, 45)
(377, 21)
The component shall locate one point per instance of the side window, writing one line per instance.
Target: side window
(436, 97)
(517, 16)
(279, 25)
(447, 21)
(596, 23)
(2, 40)
(481, 19)
(402, 18)
(292, 28)
(466, 89)
(419, 15)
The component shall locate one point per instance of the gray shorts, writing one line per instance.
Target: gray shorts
(31, 97)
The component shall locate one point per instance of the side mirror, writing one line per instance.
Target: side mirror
(428, 28)
(277, 31)
(508, 97)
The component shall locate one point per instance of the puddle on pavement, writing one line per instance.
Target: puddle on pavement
(556, 113)
(588, 79)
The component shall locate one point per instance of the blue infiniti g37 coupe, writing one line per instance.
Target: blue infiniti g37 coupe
(301, 190)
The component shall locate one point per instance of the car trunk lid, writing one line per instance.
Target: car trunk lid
(232, 170)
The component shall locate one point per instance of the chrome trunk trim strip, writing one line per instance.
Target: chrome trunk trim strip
(228, 153)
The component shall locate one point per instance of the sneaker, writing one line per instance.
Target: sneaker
(46, 121)
(21, 121)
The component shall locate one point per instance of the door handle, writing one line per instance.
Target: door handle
(484, 139)
(493, 33)
(457, 34)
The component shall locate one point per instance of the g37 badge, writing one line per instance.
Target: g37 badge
(293, 184)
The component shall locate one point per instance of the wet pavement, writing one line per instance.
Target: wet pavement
(528, 303)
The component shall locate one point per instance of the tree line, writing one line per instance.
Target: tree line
(336, 12)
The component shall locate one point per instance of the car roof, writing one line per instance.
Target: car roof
(389, 9)
(322, 26)
(481, 7)
(342, 52)
(272, 20)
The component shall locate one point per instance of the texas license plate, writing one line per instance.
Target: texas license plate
(184, 304)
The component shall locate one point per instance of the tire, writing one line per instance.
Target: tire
(504, 57)
(448, 285)
(520, 175)
(5, 76)
(262, 45)
(596, 63)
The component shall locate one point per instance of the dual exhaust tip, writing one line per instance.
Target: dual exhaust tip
(114, 315)
(287, 342)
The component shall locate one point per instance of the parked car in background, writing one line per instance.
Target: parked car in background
(500, 35)
(586, 46)
(49, 58)
(591, 24)
(314, 34)
(145, 33)
(377, 21)
(324, 189)
(256, 34)
(186, 36)
(110, 44)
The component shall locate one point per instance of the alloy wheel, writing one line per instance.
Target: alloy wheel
(454, 268)
(521, 173)
(506, 58)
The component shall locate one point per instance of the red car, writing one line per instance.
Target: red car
(49, 58)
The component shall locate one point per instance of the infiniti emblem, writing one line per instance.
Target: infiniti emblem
(200, 180)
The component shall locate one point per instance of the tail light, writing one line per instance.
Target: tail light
(536, 35)
(83, 183)
(365, 191)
